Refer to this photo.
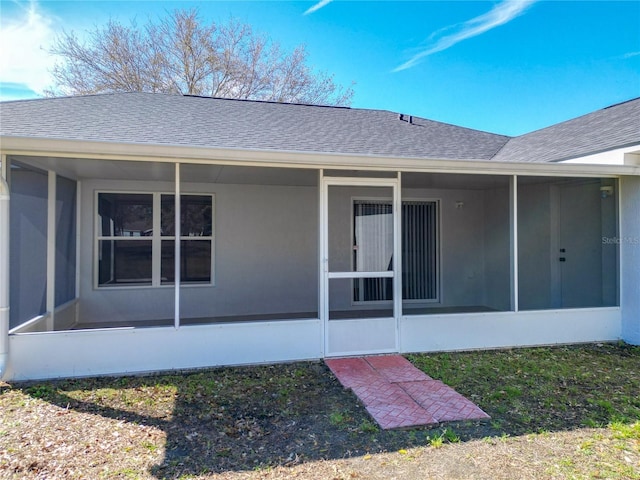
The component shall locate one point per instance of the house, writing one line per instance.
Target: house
(149, 232)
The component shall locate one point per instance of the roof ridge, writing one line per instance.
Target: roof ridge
(397, 114)
(211, 122)
(620, 103)
(267, 101)
(273, 102)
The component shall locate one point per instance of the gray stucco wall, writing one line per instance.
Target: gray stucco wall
(630, 258)
(65, 240)
(497, 264)
(572, 216)
(266, 252)
(462, 247)
(265, 256)
(610, 251)
(580, 224)
(534, 246)
(464, 270)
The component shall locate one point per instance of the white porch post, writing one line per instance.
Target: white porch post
(513, 239)
(78, 241)
(51, 250)
(397, 257)
(176, 313)
(4, 266)
(322, 262)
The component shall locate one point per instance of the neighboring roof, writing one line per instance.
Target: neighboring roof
(161, 119)
(617, 126)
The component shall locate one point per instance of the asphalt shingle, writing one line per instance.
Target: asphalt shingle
(161, 119)
(612, 127)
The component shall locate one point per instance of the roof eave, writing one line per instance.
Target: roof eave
(597, 152)
(13, 145)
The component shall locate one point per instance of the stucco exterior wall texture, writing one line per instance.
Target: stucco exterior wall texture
(265, 256)
(266, 252)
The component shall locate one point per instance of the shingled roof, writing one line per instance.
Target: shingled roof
(176, 120)
(617, 126)
(160, 119)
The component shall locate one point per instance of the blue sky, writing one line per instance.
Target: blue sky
(503, 66)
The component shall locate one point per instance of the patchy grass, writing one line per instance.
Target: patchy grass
(564, 412)
(535, 390)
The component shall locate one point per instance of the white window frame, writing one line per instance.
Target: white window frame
(431, 301)
(156, 241)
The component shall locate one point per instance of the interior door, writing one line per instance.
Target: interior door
(360, 263)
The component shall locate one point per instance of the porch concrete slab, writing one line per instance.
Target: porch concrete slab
(398, 395)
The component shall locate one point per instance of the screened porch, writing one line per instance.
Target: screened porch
(104, 244)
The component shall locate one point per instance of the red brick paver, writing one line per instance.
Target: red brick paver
(396, 394)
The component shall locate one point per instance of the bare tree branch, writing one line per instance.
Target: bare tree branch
(181, 54)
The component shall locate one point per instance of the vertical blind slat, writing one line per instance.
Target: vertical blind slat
(418, 244)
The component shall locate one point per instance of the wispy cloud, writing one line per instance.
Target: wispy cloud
(318, 6)
(631, 54)
(25, 37)
(447, 37)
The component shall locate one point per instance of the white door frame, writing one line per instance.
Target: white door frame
(326, 275)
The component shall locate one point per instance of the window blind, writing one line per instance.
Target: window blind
(373, 250)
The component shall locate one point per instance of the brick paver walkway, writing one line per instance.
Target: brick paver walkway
(396, 394)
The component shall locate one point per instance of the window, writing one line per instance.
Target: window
(196, 227)
(373, 250)
(125, 225)
(136, 239)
